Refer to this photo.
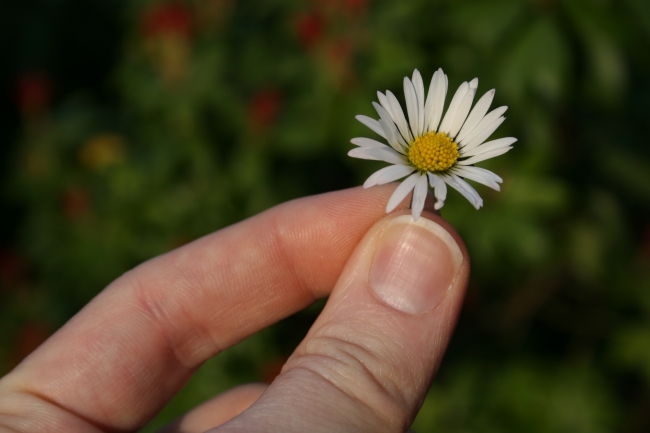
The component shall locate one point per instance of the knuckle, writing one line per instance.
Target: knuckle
(364, 368)
(186, 338)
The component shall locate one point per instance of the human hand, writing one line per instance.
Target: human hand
(365, 366)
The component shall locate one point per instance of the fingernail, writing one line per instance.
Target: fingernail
(415, 264)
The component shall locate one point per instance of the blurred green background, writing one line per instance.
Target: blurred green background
(129, 128)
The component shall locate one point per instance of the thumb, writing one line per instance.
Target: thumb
(368, 361)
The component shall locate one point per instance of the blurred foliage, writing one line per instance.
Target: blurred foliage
(223, 108)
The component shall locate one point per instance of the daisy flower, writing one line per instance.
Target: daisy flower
(431, 149)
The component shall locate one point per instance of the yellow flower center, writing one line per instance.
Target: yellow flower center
(434, 151)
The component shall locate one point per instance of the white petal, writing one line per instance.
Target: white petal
(435, 101)
(384, 154)
(447, 121)
(419, 196)
(372, 180)
(428, 106)
(484, 156)
(476, 177)
(465, 189)
(490, 146)
(433, 179)
(394, 137)
(473, 84)
(485, 122)
(361, 153)
(393, 173)
(482, 136)
(398, 116)
(477, 114)
(367, 142)
(440, 190)
(384, 103)
(383, 113)
(371, 123)
(402, 191)
(478, 201)
(438, 184)
(389, 127)
(469, 193)
(462, 111)
(411, 105)
(376, 154)
(419, 91)
(487, 174)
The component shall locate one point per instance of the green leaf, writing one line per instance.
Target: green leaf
(538, 63)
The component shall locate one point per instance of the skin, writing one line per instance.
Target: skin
(363, 366)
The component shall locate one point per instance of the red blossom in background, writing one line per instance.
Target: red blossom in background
(31, 336)
(310, 27)
(356, 6)
(75, 202)
(339, 52)
(263, 108)
(269, 371)
(168, 31)
(13, 268)
(339, 55)
(33, 93)
(212, 15)
(348, 7)
(174, 19)
(332, 32)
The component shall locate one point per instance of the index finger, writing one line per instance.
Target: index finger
(122, 357)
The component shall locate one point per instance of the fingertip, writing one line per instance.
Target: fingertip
(415, 263)
(436, 217)
(217, 410)
(371, 350)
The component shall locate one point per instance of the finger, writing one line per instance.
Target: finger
(367, 363)
(218, 410)
(120, 359)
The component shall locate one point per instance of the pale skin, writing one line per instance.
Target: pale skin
(363, 367)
